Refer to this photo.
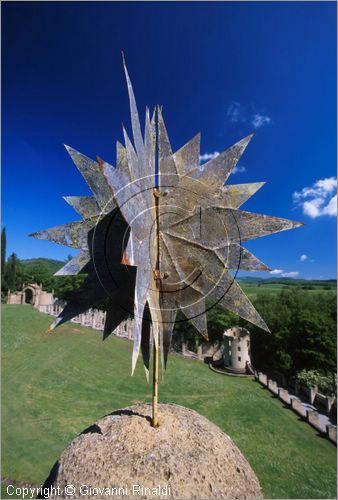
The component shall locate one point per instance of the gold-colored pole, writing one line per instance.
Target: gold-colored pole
(154, 421)
(157, 277)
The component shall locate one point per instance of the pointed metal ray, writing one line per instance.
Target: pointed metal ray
(239, 258)
(187, 158)
(131, 200)
(92, 174)
(216, 171)
(74, 234)
(128, 255)
(145, 340)
(193, 306)
(235, 195)
(236, 301)
(141, 288)
(214, 227)
(142, 182)
(86, 206)
(213, 280)
(169, 312)
(167, 169)
(75, 265)
(90, 293)
(114, 316)
(105, 276)
(177, 294)
(131, 156)
(135, 121)
(149, 141)
(122, 160)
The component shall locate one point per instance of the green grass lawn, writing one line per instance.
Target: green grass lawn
(55, 385)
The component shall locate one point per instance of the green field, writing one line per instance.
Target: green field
(270, 286)
(55, 385)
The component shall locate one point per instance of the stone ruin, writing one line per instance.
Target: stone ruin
(31, 294)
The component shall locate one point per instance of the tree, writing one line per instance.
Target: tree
(3, 250)
(4, 286)
(11, 272)
(303, 332)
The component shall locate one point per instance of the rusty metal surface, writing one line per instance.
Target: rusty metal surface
(156, 242)
(74, 234)
(75, 265)
(91, 173)
(86, 206)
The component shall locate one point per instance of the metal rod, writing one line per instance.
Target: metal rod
(157, 276)
(154, 420)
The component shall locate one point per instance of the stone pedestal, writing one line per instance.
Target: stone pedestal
(122, 456)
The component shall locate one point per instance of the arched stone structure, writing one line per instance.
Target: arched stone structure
(29, 295)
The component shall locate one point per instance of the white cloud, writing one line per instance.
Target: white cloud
(208, 156)
(303, 257)
(281, 273)
(234, 112)
(319, 199)
(238, 169)
(276, 271)
(291, 274)
(238, 112)
(259, 120)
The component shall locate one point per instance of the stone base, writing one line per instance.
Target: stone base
(122, 456)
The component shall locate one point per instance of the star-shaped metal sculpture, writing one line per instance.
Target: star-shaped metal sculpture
(161, 233)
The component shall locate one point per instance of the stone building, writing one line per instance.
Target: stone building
(31, 294)
(237, 350)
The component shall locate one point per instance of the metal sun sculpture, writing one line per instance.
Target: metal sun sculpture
(161, 233)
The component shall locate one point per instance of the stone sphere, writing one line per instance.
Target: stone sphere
(122, 456)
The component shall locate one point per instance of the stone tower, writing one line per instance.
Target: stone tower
(237, 350)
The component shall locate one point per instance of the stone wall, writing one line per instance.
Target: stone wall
(319, 421)
(93, 318)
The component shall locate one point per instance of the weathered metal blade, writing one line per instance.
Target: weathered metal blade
(86, 206)
(213, 280)
(145, 340)
(216, 171)
(106, 277)
(135, 121)
(166, 165)
(187, 158)
(195, 311)
(229, 294)
(128, 255)
(214, 227)
(143, 280)
(74, 234)
(132, 201)
(150, 141)
(239, 258)
(114, 316)
(122, 160)
(90, 293)
(75, 265)
(176, 293)
(235, 195)
(92, 174)
(142, 179)
(169, 312)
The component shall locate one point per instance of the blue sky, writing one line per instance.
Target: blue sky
(224, 69)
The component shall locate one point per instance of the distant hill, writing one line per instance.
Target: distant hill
(54, 265)
(51, 264)
(290, 282)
